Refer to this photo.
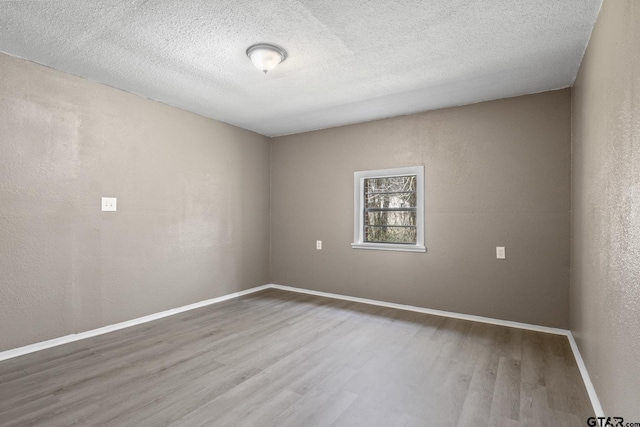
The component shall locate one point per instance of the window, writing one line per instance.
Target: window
(389, 209)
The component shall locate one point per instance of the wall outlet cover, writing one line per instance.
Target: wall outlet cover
(109, 204)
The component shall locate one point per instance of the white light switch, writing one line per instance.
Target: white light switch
(318, 244)
(109, 204)
(500, 253)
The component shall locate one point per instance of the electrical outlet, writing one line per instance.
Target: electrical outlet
(109, 204)
(319, 244)
(500, 252)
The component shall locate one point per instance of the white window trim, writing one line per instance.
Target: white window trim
(358, 209)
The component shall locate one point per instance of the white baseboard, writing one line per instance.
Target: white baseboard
(471, 317)
(9, 354)
(595, 402)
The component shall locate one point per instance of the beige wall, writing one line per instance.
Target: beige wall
(496, 174)
(193, 206)
(605, 290)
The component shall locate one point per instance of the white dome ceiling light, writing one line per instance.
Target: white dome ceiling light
(265, 56)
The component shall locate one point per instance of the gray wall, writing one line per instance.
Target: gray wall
(193, 206)
(496, 174)
(605, 290)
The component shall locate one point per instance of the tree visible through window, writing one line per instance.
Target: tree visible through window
(390, 209)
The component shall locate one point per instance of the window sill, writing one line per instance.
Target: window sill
(389, 247)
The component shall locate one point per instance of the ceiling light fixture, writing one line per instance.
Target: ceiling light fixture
(265, 56)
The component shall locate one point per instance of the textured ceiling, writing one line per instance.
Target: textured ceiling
(349, 61)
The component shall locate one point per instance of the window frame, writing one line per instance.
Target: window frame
(358, 209)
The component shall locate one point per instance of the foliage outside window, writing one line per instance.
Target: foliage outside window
(388, 209)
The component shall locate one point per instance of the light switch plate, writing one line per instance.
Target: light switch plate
(109, 204)
(500, 252)
(319, 244)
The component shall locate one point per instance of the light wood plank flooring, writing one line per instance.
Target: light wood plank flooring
(278, 358)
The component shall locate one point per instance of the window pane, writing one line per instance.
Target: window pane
(390, 234)
(390, 200)
(389, 210)
(390, 218)
(393, 184)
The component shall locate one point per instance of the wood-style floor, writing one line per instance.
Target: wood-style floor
(278, 358)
